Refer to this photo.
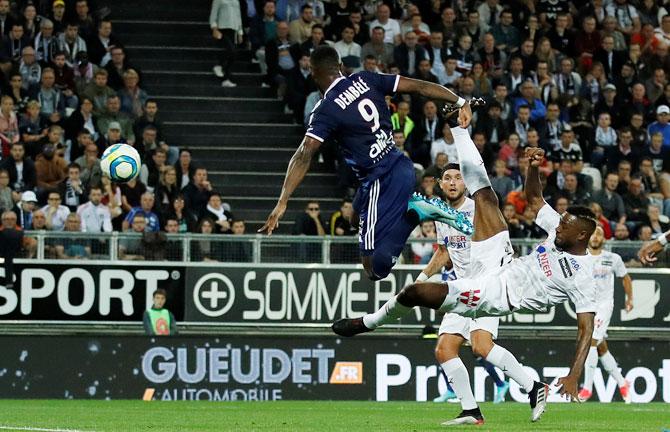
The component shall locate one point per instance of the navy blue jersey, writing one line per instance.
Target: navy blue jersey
(353, 111)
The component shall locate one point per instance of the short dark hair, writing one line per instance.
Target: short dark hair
(450, 166)
(347, 200)
(74, 165)
(160, 291)
(325, 56)
(302, 9)
(586, 217)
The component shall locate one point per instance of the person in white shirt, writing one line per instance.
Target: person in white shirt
(444, 145)
(95, 216)
(662, 32)
(56, 212)
(348, 49)
(606, 265)
(560, 269)
(391, 27)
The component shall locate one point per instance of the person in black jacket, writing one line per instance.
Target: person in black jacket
(426, 130)
(11, 244)
(299, 84)
(279, 57)
(408, 54)
(99, 46)
(28, 177)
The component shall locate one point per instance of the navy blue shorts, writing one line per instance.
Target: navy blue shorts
(382, 206)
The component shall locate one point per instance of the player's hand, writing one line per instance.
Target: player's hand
(629, 304)
(535, 156)
(647, 254)
(465, 115)
(273, 220)
(569, 386)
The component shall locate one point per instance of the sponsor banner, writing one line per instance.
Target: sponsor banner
(86, 291)
(322, 294)
(309, 368)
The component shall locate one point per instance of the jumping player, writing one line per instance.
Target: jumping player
(353, 111)
(454, 252)
(606, 265)
(557, 270)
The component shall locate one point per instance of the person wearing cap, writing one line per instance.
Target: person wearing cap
(21, 169)
(661, 125)
(114, 114)
(113, 136)
(24, 209)
(609, 104)
(57, 15)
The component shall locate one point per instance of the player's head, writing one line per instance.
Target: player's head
(597, 239)
(451, 182)
(325, 63)
(575, 229)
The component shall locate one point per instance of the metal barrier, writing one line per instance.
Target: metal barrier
(244, 248)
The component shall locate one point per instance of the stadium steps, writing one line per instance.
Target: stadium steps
(241, 135)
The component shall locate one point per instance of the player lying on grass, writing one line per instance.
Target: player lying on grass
(454, 253)
(559, 269)
(606, 265)
(353, 112)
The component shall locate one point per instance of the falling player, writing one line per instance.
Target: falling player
(454, 252)
(353, 111)
(606, 265)
(558, 270)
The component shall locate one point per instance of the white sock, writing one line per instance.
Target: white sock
(459, 378)
(590, 368)
(470, 160)
(609, 363)
(391, 311)
(505, 360)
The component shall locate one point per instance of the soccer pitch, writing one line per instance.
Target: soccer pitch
(105, 416)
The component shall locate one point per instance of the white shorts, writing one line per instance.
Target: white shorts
(601, 322)
(484, 293)
(456, 324)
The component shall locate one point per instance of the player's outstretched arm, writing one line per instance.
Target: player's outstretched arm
(647, 253)
(533, 185)
(297, 168)
(439, 259)
(570, 383)
(436, 91)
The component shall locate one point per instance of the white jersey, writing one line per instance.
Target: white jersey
(547, 276)
(458, 244)
(605, 267)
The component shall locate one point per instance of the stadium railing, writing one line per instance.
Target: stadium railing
(238, 248)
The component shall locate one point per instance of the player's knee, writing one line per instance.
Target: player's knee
(481, 344)
(602, 350)
(445, 352)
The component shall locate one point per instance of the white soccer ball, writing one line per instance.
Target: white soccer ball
(120, 162)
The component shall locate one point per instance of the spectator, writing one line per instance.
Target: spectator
(131, 194)
(98, 92)
(610, 201)
(150, 117)
(635, 202)
(263, 30)
(130, 247)
(46, 44)
(649, 179)
(56, 213)
(7, 195)
(527, 98)
(84, 72)
(185, 168)
(661, 125)
(216, 211)
(640, 132)
(57, 15)
(9, 125)
(196, 193)
(300, 29)
(72, 188)
(51, 100)
(159, 321)
(151, 170)
(628, 21)
(656, 151)
(205, 249)
(515, 226)
(623, 151)
(587, 42)
(502, 184)
(658, 227)
(185, 219)
(662, 33)
(310, 222)
(471, 27)
(15, 90)
(279, 59)
(605, 138)
(29, 69)
(152, 223)
(299, 84)
(425, 133)
(528, 57)
(84, 20)
(391, 27)
(348, 49)
(237, 250)
(71, 43)
(510, 152)
(114, 115)
(12, 243)
(574, 194)
(81, 121)
(493, 126)
(99, 47)
(400, 120)
(132, 96)
(50, 167)
(22, 174)
(24, 209)
(361, 29)
(64, 81)
(71, 247)
(423, 251)
(655, 85)
(95, 216)
(568, 149)
(610, 59)
(506, 35)
(166, 190)
(91, 172)
(444, 145)
(378, 48)
(408, 54)
(602, 220)
(14, 43)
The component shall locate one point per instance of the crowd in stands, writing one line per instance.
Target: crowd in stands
(67, 92)
(585, 81)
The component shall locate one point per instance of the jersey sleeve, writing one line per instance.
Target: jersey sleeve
(618, 266)
(547, 218)
(321, 125)
(386, 84)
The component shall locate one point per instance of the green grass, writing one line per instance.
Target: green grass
(322, 416)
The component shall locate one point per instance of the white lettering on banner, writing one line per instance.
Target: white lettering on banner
(396, 370)
(9, 295)
(108, 292)
(255, 394)
(151, 278)
(28, 290)
(236, 365)
(88, 285)
(253, 296)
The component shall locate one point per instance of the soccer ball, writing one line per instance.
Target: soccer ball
(120, 162)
